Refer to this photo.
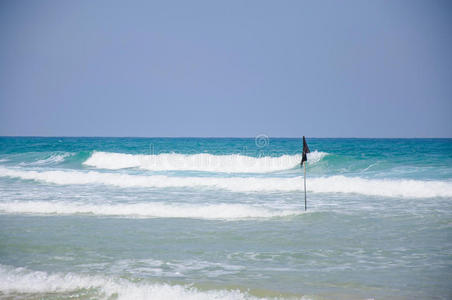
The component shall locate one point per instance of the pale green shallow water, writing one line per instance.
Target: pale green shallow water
(80, 219)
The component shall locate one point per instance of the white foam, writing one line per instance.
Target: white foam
(381, 187)
(21, 280)
(148, 210)
(233, 163)
(332, 184)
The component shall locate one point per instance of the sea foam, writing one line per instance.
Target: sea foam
(148, 210)
(22, 281)
(332, 184)
(234, 163)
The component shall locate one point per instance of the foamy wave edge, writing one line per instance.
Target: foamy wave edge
(333, 184)
(21, 280)
(148, 210)
(234, 163)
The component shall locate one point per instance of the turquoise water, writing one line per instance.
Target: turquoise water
(194, 218)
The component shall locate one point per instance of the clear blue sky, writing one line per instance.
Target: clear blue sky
(226, 68)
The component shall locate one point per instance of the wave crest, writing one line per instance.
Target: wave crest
(149, 210)
(333, 184)
(15, 281)
(52, 159)
(233, 163)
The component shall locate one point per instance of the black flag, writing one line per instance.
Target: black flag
(305, 150)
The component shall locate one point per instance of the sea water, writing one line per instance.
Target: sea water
(211, 218)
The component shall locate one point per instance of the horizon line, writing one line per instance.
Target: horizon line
(210, 137)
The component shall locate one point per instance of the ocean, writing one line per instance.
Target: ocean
(224, 218)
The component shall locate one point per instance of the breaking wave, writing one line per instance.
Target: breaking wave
(332, 184)
(234, 163)
(15, 282)
(148, 210)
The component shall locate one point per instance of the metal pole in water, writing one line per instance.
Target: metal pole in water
(305, 206)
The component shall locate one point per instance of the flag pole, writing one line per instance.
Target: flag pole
(305, 206)
(304, 160)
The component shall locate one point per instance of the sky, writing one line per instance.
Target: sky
(226, 68)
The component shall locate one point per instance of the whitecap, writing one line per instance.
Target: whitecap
(331, 184)
(222, 211)
(233, 163)
(22, 281)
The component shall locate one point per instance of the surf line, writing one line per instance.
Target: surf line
(304, 159)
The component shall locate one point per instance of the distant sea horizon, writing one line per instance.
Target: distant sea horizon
(215, 137)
